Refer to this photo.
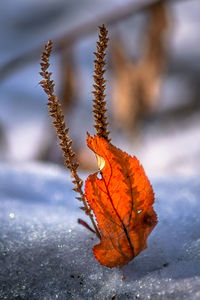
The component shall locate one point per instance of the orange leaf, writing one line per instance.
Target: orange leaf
(122, 203)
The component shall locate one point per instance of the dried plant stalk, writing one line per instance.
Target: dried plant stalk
(99, 103)
(56, 113)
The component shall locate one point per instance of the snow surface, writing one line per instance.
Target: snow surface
(45, 254)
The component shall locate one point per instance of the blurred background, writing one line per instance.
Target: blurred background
(153, 79)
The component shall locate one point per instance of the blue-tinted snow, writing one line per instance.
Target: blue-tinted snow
(45, 254)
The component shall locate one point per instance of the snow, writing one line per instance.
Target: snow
(45, 254)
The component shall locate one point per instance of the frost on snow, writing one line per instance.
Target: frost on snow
(45, 254)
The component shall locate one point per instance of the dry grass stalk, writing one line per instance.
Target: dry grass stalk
(99, 104)
(56, 113)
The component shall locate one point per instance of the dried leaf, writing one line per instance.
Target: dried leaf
(122, 203)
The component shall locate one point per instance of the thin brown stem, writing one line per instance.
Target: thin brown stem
(56, 113)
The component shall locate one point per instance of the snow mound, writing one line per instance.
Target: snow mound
(45, 254)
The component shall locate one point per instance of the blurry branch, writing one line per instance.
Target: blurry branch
(75, 34)
(155, 41)
(151, 67)
(68, 77)
(177, 113)
(3, 142)
(136, 88)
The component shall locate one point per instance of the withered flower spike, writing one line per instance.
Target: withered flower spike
(56, 113)
(99, 104)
